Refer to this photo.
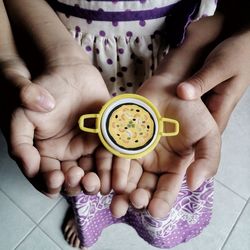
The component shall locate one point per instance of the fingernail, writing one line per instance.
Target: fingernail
(188, 89)
(46, 102)
(138, 206)
(51, 195)
(197, 183)
(90, 188)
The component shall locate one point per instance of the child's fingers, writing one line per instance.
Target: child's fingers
(119, 205)
(53, 180)
(141, 196)
(42, 170)
(73, 175)
(120, 172)
(91, 183)
(103, 167)
(52, 176)
(87, 163)
(79, 173)
(214, 71)
(206, 160)
(168, 187)
(81, 146)
(21, 141)
(120, 202)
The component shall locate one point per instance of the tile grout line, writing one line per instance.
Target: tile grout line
(49, 236)
(31, 229)
(42, 218)
(16, 204)
(25, 237)
(224, 185)
(45, 215)
(236, 222)
(36, 223)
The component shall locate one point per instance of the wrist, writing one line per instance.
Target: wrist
(160, 88)
(41, 29)
(64, 53)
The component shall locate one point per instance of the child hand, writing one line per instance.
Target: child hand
(225, 74)
(195, 151)
(60, 148)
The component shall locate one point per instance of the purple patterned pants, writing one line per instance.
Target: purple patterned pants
(190, 214)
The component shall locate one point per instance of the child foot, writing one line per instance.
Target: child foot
(70, 231)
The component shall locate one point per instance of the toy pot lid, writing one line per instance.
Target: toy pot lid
(129, 126)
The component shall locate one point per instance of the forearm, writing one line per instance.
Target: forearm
(7, 46)
(10, 61)
(41, 24)
(183, 61)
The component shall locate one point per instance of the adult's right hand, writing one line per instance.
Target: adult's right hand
(15, 74)
(32, 96)
(50, 146)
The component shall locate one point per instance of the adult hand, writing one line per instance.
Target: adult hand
(14, 73)
(32, 96)
(195, 151)
(175, 67)
(224, 77)
(50, 145)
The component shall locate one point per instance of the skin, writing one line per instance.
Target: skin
(14, 71)
(59, 146)
(190, 153)
(62, 155)
(225, 74)
(50, 149)
(158, 193)
(139, 179)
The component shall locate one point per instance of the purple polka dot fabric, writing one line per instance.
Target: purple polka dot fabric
(120, 34)
(126, 40)
(191, 212)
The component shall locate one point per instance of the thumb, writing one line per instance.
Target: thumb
(21, 144)
(32, 96)
(206, 162)
(212, 73)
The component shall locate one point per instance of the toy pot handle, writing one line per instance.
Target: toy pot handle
(81, 123)
(176, 127)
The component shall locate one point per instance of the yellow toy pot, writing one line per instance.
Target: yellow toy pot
(129, 126)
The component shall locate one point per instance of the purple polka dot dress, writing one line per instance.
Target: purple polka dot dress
(126, 40)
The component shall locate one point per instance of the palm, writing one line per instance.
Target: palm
(56, 134)
(187, 152)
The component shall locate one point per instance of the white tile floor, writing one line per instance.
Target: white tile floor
(30, 221)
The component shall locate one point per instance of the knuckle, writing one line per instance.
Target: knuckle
(102, 154)
(199, 83)
(26, 92)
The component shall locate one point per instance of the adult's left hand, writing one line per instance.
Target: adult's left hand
(224, 76)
